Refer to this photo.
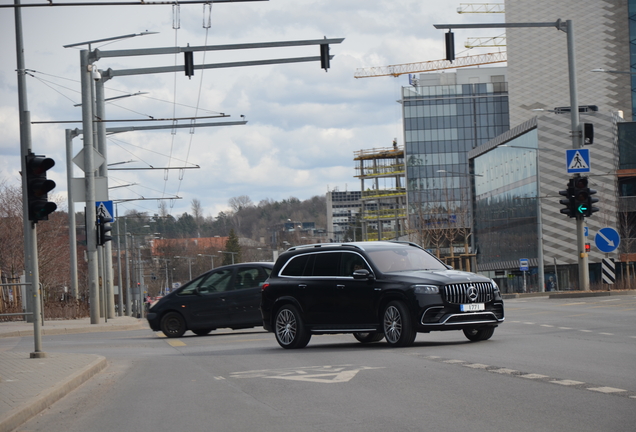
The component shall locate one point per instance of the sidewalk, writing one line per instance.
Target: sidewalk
(28, 386)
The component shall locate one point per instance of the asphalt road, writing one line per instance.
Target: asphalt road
(554, 365)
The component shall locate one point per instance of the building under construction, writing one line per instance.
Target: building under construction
(382, 181)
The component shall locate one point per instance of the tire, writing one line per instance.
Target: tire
(289, 328)
(398, 325)
(369, 337)
(202, 332)
(480, 334)
(173, 325)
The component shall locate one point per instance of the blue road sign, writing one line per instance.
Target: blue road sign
(607, 240)
(577, 160)
(586, 231)
(105, 209)
(523, 264)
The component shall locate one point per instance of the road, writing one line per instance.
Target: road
(554, 365)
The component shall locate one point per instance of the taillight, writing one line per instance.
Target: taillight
(265, 286)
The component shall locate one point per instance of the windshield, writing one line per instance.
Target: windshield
(404, 258)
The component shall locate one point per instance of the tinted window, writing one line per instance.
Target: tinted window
(327, 264)
(217, 282)
(248, 277)
(352, 262)
(296, 266)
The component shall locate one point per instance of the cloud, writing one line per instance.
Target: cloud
(303, 124)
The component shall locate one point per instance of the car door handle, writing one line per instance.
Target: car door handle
(302, 286)
(340, 286)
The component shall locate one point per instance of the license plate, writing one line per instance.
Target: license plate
(472, 307)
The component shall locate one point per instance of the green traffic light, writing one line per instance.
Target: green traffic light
(582, 208)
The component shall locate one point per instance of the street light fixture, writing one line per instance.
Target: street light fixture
(211, 258)
(189, 263)
(233, 253)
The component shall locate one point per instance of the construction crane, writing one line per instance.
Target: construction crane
(480, 42)
(480, 8)
(429, 66)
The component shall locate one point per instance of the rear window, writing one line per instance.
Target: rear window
(295, 266)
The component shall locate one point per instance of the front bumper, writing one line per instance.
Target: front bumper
(450, 317)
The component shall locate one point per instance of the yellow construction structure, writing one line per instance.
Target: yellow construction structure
(382, 172)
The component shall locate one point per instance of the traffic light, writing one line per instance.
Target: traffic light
(188, 63)
(38, 186)
(569, 201)
(583, 198)
(324, 56)
(103, 230)
(590, 201)
(587, 247)
(449, 38)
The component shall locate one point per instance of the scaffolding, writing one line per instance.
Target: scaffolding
(382, 172)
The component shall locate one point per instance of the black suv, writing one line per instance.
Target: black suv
(374, 290)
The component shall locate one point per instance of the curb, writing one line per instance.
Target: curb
(568, 294)
(73, 330)
(20, 415)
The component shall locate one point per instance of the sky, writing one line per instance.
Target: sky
(303, 124)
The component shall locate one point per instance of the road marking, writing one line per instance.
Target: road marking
(175, 343)
(529, 323)
(565, 328)
(607, 390)
(321, 374)
(219, 378)
(585, 331)
(533, 376)
(546, 325)
(504, 371)
(610, 300)
(567, 382)
(607, 334)
(539, 377)
(476, 365)
(573, 304)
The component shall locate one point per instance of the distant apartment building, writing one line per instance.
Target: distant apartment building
(343, 211)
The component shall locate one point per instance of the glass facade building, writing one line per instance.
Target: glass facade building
(506, 200)
(442, 123)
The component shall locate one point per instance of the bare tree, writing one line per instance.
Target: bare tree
(240, 202)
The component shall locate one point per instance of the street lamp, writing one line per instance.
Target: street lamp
(189, 263)
(612, 71)
(539, 218)
(233, 253)
(211, 258)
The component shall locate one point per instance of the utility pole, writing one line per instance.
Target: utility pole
(30, 228)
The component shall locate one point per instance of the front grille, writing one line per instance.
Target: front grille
(458, 293)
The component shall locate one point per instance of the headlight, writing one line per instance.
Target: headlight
(425, 289)
(495, 287)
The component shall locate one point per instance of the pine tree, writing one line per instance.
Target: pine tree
(232, 245)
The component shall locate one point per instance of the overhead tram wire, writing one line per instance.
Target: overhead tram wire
(207, 23)
(122, 3)
(176, 25)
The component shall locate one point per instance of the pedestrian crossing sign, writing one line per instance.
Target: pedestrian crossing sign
(577, 160)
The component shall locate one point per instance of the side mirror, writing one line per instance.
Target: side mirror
(363, 274)
(449, 267)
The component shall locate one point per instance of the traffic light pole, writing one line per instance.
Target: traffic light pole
(86, 69)
(577, 139)
(577, 142)
(30, 229)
